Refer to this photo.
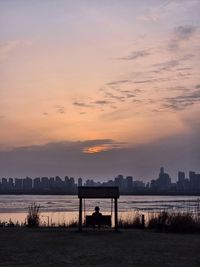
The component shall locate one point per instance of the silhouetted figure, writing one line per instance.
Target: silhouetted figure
(96, 217)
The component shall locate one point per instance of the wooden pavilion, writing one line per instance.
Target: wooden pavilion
(88, 192)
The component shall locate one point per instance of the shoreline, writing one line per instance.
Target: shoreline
(121, 194)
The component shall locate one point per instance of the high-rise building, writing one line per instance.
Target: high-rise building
(181, 177)
(10, 185)
(27, 185)
(18, 185)
(4, 184)
(163, 183)
(45, 184)
(37, 184)
(80, 181)
(129, 183)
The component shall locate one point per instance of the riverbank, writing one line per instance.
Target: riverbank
(65, 247)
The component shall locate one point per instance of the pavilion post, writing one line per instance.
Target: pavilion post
(116, 216)
(80, 214)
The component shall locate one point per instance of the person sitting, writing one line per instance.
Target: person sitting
(96, 217)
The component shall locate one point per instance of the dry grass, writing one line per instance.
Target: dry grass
(33, 216)
(131, 222)
(174, 222)
(30, 247)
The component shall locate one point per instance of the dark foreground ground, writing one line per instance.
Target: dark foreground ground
(60, 247)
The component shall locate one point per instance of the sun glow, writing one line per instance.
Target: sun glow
(96, 149)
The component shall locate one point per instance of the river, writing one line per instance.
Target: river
(64, 209)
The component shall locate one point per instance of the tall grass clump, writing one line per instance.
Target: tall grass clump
(2, 224)
(33, 216)
(72, 223)
(174, 222)
(182, 223)
(131, 221)
(158, 221)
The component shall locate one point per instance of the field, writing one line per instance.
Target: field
(60, 247)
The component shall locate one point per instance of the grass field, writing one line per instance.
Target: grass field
(60, 247)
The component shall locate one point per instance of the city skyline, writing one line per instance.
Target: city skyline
(108, 85)
(163, 184)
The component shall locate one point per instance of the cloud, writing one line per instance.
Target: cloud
(172, 65)
(118, 82)
(177, 88)
(103, 146)
(182, 101)
(181, 2)
(166, 65)
(184, 68)
(102, 102)
(119, 94)
(154, 17)
(154, 14)
(181, 152)
(136, 54)
(180, 34)
(8, 47)
(108, 96)
(94, 104)
(145, 81)
(167, 8)
(114, 97)
(118, 114)
(130, 95)
(60, 109)
(184, 32)
(81, 104)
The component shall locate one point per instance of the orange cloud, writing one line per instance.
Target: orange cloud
(96, 149)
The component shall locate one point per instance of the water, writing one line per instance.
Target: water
(63, 209)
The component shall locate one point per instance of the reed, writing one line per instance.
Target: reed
(131, 221)
(174, 222)
(33, 216)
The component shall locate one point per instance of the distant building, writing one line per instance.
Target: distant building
(181, 183)
(27, 185)
(163, 183)
(45, 184)
(138, 185)
(120, 182)
(194, 182)
(52, 183)
(4, 185)
(80, 181)
(129, 184)
(181, 177)
(18, 185)
(37, 184)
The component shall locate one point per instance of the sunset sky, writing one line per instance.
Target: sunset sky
(115, 82)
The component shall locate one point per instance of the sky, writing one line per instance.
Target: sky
(96, 88)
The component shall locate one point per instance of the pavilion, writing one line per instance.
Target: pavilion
(88, 192)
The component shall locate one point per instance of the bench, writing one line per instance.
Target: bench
(104, 220)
